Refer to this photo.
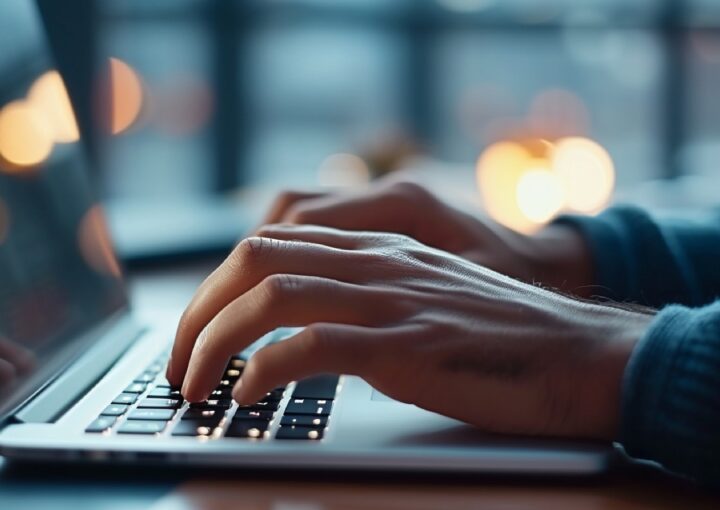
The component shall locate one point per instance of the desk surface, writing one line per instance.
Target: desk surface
(30, 487)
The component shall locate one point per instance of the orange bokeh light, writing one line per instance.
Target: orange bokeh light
(525, 185)
(499, 170)
(125, 96)
(95, 243)
(26, 136)
(588, 173)
(49, 95)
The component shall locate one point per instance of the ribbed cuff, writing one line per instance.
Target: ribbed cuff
(634, 260)
(671, 393)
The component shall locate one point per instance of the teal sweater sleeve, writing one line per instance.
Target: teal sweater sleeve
(671, 388)
(655, 263)
(671, 393)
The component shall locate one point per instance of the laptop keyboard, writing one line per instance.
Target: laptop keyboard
(149, 406)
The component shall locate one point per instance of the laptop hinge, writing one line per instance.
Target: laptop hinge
(81, 375)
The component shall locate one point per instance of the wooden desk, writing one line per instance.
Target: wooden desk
(30, 488)
(49, 487)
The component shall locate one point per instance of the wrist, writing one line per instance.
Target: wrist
(598, 397)
(562, 260)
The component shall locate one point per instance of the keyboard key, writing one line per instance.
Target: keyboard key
(276, 394)
(262, 406)
(152, 414)
(135, 388)
(165, 393)
(306, 433)
(304, 420)
(195, 428)
(245, 414)
(252, 429)
(321, 387)
(146, 377)
(309, 406)
(238, 364)
(162, 382)
(155, 368)
(224, 392)
(125, 399)
(232, 373)
(101, 424)
(160, 403)
(142, 427)
(223, 403)
(114, 410)
(199, 414)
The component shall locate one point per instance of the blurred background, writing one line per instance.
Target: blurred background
(524, 108)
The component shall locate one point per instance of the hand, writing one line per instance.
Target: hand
(15, 361)
(420, 325)
(556, 256)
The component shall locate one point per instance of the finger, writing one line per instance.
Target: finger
(372, 210)
(286, 200)
(319, 348)
(252, 261)
(280, 300)
(335, 238)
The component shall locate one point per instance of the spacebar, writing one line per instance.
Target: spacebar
(318, 387)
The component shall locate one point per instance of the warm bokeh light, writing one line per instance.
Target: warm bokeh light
(343, 170)
(540, 195)
(499, 170)
(525, 185)
(587, 171)
(49, 95)
(26, 136)
(125, 96)
(95, 243)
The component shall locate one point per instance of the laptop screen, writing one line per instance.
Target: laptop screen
(58, 272)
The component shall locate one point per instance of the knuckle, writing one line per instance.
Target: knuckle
(298, 215)
(251, 250)
(316, 338)
(411, 190)
(277, 287)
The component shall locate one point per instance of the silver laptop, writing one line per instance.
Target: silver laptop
(82, 380)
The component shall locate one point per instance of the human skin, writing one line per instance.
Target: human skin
(420, 324)
(556, 256)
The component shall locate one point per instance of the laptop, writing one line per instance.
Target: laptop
(82, 378)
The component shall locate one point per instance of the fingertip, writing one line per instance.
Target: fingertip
(238, 394)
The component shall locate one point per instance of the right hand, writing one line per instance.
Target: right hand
(556, 256)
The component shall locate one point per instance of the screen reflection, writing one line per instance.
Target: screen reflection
(58, 272)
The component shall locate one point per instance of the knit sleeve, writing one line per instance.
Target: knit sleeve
(671, 393)
(643, 260)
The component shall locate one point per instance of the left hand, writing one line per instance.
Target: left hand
(421, 325)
